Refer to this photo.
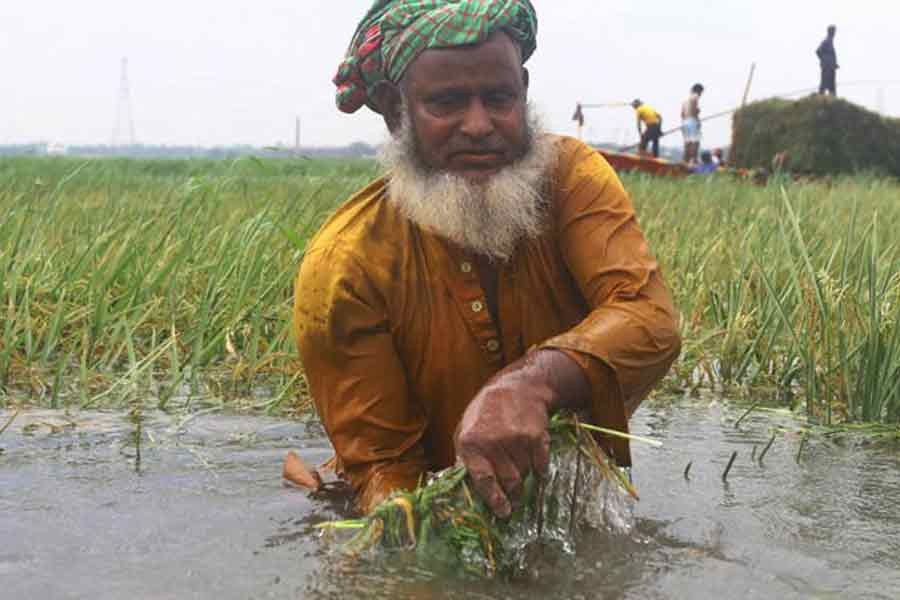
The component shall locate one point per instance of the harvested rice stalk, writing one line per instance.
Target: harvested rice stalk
(446, 524)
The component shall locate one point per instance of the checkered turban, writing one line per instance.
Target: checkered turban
(394, 32)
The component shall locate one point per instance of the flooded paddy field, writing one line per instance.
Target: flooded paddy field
(192, 506)
(136, 287)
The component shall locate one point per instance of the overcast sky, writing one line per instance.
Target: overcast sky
(215, 72)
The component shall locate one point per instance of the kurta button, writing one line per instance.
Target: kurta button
(493, 345)
(477, 306)
(466, 267)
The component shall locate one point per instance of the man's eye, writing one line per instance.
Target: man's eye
(447, 101)
(499, 99)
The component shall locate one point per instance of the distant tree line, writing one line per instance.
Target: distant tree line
(354, 150)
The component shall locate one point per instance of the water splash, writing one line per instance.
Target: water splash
(576, 501)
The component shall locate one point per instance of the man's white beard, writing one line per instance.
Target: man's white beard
(489, 218)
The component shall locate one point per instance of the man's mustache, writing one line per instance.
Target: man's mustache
(486, 147)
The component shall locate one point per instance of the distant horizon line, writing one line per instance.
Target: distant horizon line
(242, 145)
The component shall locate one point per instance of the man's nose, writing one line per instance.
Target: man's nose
(477, 122)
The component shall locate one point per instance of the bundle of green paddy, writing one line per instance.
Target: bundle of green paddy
(818, 135)
(445, 523)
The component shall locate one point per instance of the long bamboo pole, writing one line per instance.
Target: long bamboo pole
(749, 83)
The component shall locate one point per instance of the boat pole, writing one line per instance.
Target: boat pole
(749, 83)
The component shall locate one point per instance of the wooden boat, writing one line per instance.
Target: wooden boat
(624, 163)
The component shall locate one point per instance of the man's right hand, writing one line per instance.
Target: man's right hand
(503, 435)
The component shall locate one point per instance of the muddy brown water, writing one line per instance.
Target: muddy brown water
(202, 513)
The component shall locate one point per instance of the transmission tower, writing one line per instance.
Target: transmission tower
(123, 131)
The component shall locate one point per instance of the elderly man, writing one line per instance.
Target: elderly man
(495, 275)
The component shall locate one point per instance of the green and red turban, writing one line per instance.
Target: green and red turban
(394, 32)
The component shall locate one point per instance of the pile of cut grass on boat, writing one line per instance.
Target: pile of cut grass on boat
(447, 525)
(820, 135)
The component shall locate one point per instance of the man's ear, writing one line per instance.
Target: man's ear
(389, 100)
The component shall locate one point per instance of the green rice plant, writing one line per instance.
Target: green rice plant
(102, 263)
(842, 320)
(877, 377)
(445, 523)
(775, 302)
(105, 262)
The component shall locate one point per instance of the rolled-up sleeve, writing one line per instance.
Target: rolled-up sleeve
(355, 376)
(630, 337)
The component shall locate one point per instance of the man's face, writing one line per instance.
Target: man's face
(467, 107)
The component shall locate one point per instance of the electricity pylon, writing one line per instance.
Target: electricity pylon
(123, 131)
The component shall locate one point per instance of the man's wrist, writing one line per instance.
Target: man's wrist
(571, 388)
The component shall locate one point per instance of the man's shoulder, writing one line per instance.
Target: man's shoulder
(572, 152)
(575, 157)
(364, 225)
(583, 176)
(361, 240)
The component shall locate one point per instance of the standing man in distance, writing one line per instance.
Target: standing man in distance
(652, 126)
(495, 274)
(690, 125)
(828, 63)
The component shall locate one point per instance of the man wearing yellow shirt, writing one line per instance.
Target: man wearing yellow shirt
(652, 126)
(494, 275)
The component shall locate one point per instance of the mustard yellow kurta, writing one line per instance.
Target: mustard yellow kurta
(396, 337)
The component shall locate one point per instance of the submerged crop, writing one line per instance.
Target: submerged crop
(443, 522)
